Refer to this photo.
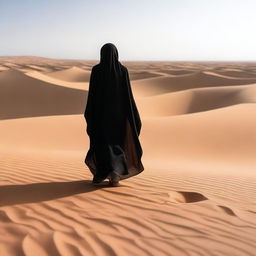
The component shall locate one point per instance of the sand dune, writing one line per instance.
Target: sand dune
(35, 135)
(195, 197)
(38, 68)
(141, 75)
(218, 137)
(34, 97)
(3, 68)
(176, 72)
(238, 73)
(73, 74)
(166, 84)
(196, 100)
(55, 81)
(175, 136)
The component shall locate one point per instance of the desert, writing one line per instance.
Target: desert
(196, 195)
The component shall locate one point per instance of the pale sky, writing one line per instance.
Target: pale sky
(141, 29)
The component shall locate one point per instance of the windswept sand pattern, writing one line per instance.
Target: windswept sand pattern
(53, 213)
(197, 193)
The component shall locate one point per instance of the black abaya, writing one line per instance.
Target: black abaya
(113, 120)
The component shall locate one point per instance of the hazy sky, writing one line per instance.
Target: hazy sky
(141, 29)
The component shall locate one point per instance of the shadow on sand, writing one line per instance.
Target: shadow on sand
(38, 192)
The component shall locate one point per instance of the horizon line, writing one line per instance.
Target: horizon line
(138, 60)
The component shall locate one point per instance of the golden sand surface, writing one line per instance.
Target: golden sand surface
(196, 196)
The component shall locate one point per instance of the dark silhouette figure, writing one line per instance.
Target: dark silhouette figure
(113, 121)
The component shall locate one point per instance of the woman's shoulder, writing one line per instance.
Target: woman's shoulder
(124, 69)
(98, 67)
(95, 67)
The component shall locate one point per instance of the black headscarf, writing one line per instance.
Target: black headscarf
(113, 120)
(109, 57)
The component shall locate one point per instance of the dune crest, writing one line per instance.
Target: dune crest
(34, 97)
(73, 74)
(49, 79)
(196, 100)
(199, 79)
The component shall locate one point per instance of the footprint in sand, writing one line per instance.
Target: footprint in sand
(186, 197)
(227, 210)
(193, 197)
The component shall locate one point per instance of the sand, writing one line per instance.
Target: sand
(196, 195)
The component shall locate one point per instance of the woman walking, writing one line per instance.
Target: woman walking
(113, 121)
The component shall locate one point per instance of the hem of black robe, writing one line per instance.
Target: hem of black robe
(132, 171)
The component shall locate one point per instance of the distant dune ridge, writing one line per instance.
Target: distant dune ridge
(196, 195)
(34, 97)
(73, 74)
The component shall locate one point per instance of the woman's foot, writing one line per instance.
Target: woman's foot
(97, 179)
(114, 179)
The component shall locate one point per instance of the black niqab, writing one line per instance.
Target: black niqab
(113, 120)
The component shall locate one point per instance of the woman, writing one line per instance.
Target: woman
(113, 121)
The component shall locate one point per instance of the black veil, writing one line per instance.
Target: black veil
(113, 120)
